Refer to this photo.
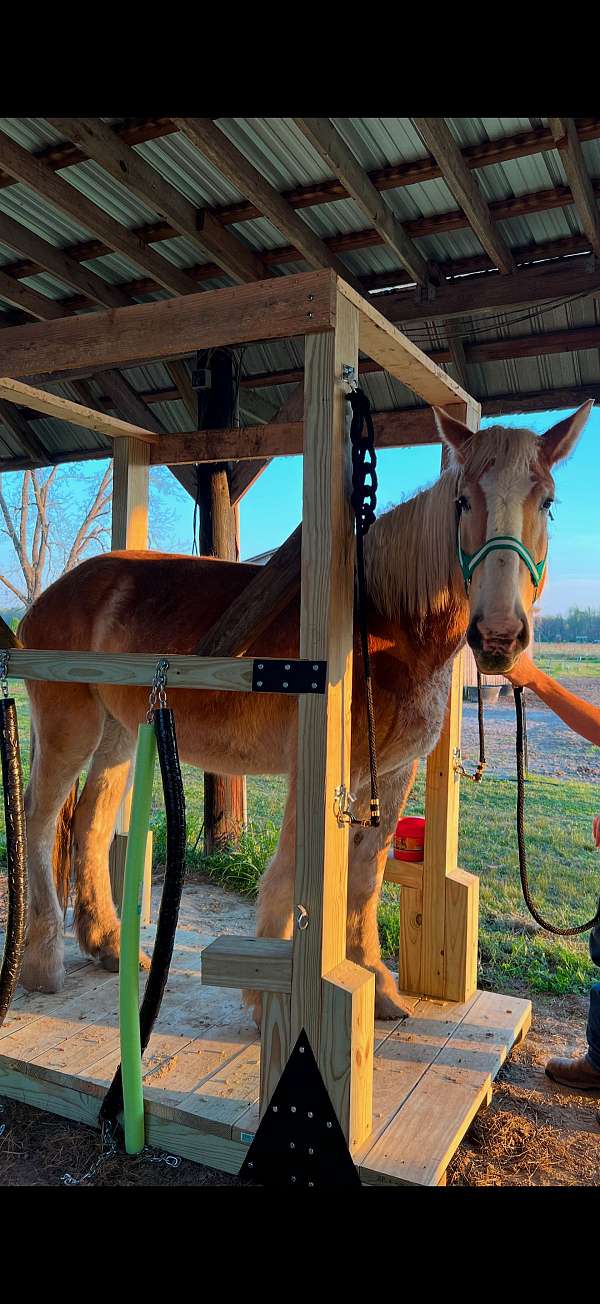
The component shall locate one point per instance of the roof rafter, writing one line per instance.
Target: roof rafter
(214, 145)
(440, 141)
(335, 153)
(102, 144)
(24, 167)
(567, 142)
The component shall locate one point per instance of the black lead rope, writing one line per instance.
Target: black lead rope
(162, 954)
(364, 502)
(550, 928)
(16, 853)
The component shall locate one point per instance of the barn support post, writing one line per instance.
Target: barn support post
(439, 919)
(332, 998)
(224, 795)
(131, 462)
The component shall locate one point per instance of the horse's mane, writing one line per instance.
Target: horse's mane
(410, 551)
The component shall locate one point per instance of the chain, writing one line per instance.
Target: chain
(4, 660)
(158, 691)
(108, 1148)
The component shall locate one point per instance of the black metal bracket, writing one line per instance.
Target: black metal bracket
(273, 675)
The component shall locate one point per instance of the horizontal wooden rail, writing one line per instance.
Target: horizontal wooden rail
(405, 872)
(63, 409)
(264, 963)
(226, 674)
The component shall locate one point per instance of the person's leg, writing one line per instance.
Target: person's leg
(593, 1028)
(582, 1072)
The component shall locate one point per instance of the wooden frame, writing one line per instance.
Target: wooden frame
(307, 983)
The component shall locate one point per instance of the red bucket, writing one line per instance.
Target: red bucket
(409, 838)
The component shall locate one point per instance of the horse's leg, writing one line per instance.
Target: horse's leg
(67, 725)
(95, 918)
(368, 854)
(276, 891)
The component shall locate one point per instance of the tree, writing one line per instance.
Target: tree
(39, 526)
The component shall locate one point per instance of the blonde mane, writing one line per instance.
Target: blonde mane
(410, 551)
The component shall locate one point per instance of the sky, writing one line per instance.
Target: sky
(273, 507)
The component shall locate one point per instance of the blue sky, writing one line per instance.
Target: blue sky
(272, 509)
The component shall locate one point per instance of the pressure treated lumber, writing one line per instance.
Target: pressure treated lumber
(255, 962)
(263, 599)
(15, 391)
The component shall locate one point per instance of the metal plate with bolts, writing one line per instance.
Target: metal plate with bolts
(299, 1142)
(271, 675)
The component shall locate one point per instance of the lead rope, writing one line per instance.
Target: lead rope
(364, 502)
(550, 928)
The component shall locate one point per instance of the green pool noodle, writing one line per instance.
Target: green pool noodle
(129, 998)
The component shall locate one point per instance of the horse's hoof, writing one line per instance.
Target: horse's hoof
(40, 976)
(109, 959)
(391, 1007)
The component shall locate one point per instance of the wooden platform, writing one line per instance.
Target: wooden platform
(433, 1071)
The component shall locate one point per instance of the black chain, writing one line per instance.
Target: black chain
(364, 502)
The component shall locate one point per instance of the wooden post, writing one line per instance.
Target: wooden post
(131, 460)
(331, 998)
(439, 921)
(224, 796)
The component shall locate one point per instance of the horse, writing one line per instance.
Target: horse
(428, 588)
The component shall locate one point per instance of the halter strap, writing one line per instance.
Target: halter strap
(500, 542)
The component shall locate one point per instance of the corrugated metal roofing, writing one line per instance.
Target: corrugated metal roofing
(277, 147)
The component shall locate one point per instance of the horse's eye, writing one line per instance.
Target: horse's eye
(547, 504)
(463, 503)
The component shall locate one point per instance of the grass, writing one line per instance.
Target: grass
(564, 870)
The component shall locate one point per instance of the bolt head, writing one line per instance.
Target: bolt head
(292, 1145)
(260, 665)
(259, 683)
(330, 1124)
(285, 684)
(292, 1109)
(310, 1114)
(275, 1108)
(310, 1150)
(286, 667)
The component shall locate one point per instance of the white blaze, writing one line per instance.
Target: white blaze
(505, 496)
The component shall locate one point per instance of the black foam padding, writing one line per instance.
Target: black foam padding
(16, 853)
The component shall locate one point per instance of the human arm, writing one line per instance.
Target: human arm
(580, 716)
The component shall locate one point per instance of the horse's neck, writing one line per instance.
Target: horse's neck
(413, 577)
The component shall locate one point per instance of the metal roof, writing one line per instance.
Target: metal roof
(284, 156)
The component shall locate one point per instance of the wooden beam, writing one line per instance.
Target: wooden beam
(24, 167)
(30, 301)
(475, 295)
(266, 595)
(275, 309)
(56, 261)
(400, 357)
(62, 409)
(339, 158)
(133, 669)
(102, 143)
(253, 962)
(441, 143)
(21, 429)
(214, 145)
(566, 140)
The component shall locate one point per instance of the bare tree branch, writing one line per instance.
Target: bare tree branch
(21, 596)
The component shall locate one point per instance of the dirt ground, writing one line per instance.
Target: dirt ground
(554, 750)
(533, 1134)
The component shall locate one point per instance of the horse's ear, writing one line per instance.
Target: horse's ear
(452, 432)
(560, 440)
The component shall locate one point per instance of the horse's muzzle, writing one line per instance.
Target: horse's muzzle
(496, 650)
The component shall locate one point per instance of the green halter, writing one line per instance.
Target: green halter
(500, 542)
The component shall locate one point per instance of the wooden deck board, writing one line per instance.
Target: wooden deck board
(202, 1067)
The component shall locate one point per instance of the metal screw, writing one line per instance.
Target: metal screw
(301, 1049)
(285, 684)
(310, 298)
(330, 1124)
(292, 1109)
(292, 1179)
(292, 1145)
(315, 667)
(275, 1108)
(309, 314)
(310, 1150)
(260, 665)
(259, 683)
(311, 1183)
(314, 685)
(250, 1164)
(310, 1114)
(286, 667)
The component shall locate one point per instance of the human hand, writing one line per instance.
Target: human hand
(523, 672)
(596, 830)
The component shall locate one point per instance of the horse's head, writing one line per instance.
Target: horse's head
(504, 492)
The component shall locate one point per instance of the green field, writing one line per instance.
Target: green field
(564, 869)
